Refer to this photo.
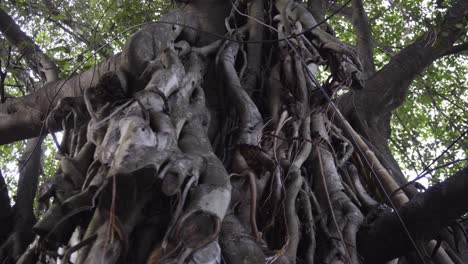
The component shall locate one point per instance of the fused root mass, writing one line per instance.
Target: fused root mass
(200, 149)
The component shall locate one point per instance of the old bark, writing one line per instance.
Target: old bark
(181, 150)
(385, 239)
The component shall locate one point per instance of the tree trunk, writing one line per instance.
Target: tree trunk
(210, 139)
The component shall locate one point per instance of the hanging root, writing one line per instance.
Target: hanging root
(139, 180)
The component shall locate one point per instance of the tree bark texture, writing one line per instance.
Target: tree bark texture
(191, 147)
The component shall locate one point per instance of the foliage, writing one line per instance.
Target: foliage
(9, 155)
(434, 114)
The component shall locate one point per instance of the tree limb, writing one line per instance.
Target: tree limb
(14, 112)
(25, 115)
(425, 215)
(369, 109)
(13, 33)
(387, 89)
(461, 48)
(23, 213)
(363, 37)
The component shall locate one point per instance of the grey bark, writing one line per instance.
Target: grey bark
(26, 115)
(164, 114)
(383, 238)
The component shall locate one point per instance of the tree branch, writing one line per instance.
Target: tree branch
(369, 109)
(387, 89)
(346, 11)
(23, 214)
(363, 37)
(364, 41)
(425, 215)
(25, 115)
(40, 61)
(461, 48)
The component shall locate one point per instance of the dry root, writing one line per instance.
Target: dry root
(140, 181)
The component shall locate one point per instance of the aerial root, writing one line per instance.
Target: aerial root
(292, 219)
(142, 175)
(309, 223)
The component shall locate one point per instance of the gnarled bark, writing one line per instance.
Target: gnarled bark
(425, 215)
(140, 181)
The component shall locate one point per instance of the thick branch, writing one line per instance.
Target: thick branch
(25, 115)
(461, 48)
(346, 11)
(387, 89)
(363, 37)
(425, 215)
(24, 218)
(369, 110)
(358, 17)
(318, 8)
(27, 47)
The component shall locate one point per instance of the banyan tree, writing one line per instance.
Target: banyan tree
(230, 132)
